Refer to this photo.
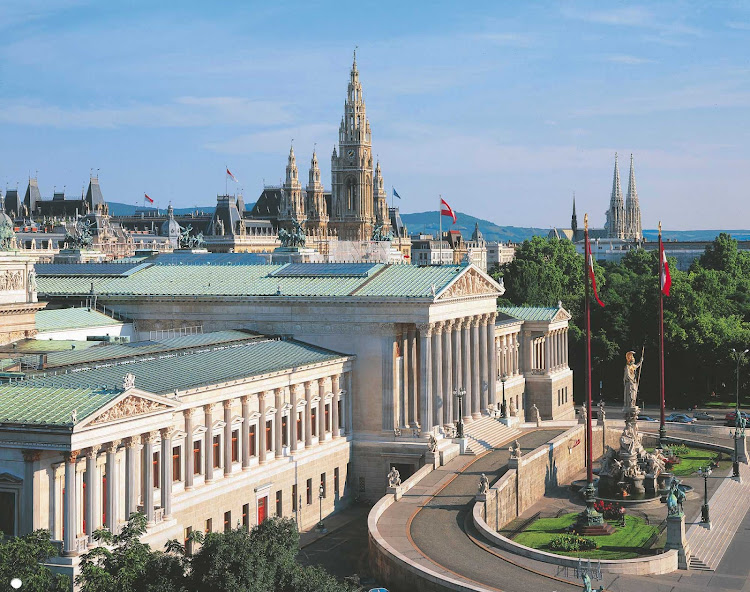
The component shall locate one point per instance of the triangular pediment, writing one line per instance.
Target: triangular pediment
(561, 315)
(471, 282)
(132, 403)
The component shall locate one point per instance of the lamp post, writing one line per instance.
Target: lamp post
(460, 394)
(321, 526)
(738, 357)
(299, 512)
(705, 518)
(504, 410)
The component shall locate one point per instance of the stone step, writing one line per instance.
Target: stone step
(486, 433)
(698, 565)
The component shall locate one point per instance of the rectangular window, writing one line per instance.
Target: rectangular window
(209, 525)
(251, 441)
(284, 430)
(236, 446)
(197, 461)
(339, 407)
(155, 469)
(294, 498)
(309, 491)
(336, 482)
(314, 421)
(176, 463)
(323, 483)
(217, 451)
(227, 521)
(188, 541)
(299, 426)
(246, 516)
(327, 418)
(279, 508)
(269, 435)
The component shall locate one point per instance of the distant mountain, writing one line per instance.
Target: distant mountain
(695, 235)
(121, 209)
(428, 222)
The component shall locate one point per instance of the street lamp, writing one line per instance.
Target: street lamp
(504, 409)
(738, 357)
(460, 394)
(299, 512)
(705, 473)
(321, 526)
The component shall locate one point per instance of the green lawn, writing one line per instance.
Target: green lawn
(625, 543)
(694, 460)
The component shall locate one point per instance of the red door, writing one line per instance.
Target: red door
(262, 509)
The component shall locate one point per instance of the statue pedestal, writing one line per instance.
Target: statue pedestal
(510, 421)
(638, 488)
(676, 539)
(742, 449)
(432, 458)
(295, 255)
(649, 483)
(396, 491)
(79, 256)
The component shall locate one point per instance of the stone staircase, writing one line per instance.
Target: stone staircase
(728, 507)
(486, 433)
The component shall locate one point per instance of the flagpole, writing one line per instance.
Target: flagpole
(587, 308)
(226, 181)
(662, 425)
(440, 223)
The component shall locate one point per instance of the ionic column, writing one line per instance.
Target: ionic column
(70, 504)
(262, 426)
(166, 471)
(438, 394)
(484, 379)
(349, 404)
(565, 348)
(466, 368)
(293, 417)
(413, 388)
(547, 352)
(113, 486)
(131, 485)
(308, 414)
(447, 364)
(279, 402)
(335, 406)
(227, 437)
(29, 493)
(457, 347)
(245, 399)
(189, 460)
(476, 382)
(556, 350)
(503, 354)
(492, 359)
(425, 370)
(404, 386)
(208, 447)
(148, 475)
(517, 352)
(322, 410)
(92, 482)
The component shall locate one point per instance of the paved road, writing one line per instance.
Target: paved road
(439, 529)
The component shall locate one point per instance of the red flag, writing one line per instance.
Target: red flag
(148, 198)
(232, 176)
(593, 277)
(666, 277)
(445, 210)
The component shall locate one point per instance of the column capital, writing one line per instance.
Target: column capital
(278, 391)
(167, 433)
(425, 329)
(70, 456)
(92, 451)
(209, 408)
(448, 325)
(31, 455)
(492, 317)
(245, 399)
(322, 381)
(131, 442)
(438, 327)
(150, 437)
(475, 321)
(227, 404)
(112, 446)
(189, 412)
(483, 318)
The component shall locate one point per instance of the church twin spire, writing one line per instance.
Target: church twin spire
(633, 228)
(623, 216)
(616, 212)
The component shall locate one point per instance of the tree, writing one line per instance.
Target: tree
(23, 557)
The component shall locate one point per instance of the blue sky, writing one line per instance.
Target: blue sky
(504, 108)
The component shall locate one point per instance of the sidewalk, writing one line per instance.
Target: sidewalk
(334, 523)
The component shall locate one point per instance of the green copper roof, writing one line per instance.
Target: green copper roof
(24, 403)
(71, 318)
(360, 281)
(530, 313)
(183, 369)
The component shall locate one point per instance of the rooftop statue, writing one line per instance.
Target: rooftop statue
(378, 234)
(80, 237)
(294, 238)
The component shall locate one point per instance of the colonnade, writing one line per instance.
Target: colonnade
(508, 347)
(549, 352)
(438, 359)
(90, 497)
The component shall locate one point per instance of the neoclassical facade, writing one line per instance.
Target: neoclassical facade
(200, 433)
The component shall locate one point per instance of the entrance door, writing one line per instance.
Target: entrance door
(262, 509)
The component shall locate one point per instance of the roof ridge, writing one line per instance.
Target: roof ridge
(369, 279)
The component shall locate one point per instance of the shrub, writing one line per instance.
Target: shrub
(566, 542)
(611, 511)
(680, 450)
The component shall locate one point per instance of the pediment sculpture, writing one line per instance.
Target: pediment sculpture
(129, 407)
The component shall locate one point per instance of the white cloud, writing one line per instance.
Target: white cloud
(277, 141)
(181, 112)
(627, 59)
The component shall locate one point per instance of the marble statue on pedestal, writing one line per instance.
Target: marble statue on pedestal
(484, 484)
(394, 478)
(630, 380)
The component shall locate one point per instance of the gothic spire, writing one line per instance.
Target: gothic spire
(633, 229)
(314, 178)
(574, 218)
(616, 212)
(292, 172)
(632, 191)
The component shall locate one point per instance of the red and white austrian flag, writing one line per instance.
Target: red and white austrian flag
(446, 210)
(593, 278)
(231, 176)
(666, 278)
